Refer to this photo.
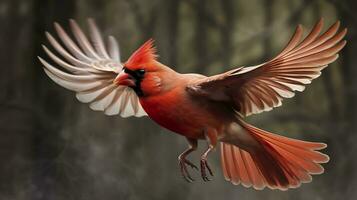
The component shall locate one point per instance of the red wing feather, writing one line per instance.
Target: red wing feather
(259, 88)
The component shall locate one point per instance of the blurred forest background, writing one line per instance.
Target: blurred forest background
(53, 147)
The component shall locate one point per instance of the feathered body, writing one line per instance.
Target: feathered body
(166, 101)
(174, 107)
(210, 108)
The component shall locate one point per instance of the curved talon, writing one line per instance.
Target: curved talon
(211, 137)
(183, 162)
(209, 169)
(204, 166)
(183, 166)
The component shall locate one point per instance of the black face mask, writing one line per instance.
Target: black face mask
(138, 76)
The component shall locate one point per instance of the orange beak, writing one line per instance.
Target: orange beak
(124, 79)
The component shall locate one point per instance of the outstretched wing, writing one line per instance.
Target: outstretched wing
(259, 88)
(89, 69)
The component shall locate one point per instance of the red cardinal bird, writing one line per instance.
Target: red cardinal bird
(200, 107)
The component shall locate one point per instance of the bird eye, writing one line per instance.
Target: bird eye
(141, 72)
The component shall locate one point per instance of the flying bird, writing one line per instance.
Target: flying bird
(196, 106)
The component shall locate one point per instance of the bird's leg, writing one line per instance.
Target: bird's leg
(183, 162)
(211, 137)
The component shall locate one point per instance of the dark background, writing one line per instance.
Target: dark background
(53, 147)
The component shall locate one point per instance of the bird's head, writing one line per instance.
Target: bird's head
(142, 72)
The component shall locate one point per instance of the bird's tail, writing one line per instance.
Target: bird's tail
(281, 163)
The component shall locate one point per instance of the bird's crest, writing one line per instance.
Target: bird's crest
(145, 54)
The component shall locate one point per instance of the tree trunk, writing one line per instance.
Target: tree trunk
(200, 38)
(173, 20)
(16, 115)
(226, 32)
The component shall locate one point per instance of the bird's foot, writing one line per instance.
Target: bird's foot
(204, 166)
(183, 162)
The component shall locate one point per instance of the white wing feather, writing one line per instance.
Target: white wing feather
(89, 70)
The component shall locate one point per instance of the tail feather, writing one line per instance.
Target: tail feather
(258, 179)
(281, 163)
(231, 173)
(298, 147)
(253, 172)
(242, 169)
(238, 169)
